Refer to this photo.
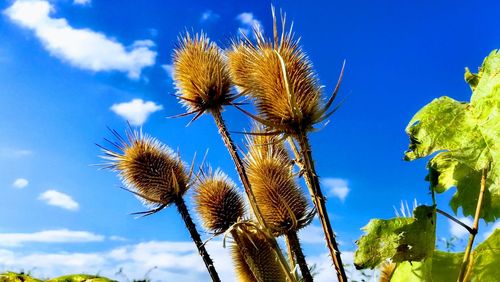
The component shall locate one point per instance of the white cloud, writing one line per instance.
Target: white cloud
(82, 2)
(48, 236)
(83, 48)
(165, 261)
(209, 15)
(336, 187)
(248, 23)
(136, 111)
(20, 183)
(8, 152)
(58, 199)
(457, 230)
(313, 234)
(326, 272)
(169, 69)
(495, 226)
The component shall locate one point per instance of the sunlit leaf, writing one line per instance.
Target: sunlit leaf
(466, 137)
(399, 239)
(444, 266)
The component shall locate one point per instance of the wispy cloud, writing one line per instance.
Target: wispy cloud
(326, 272)
(313, 234)
(136, 111)
(492, 229)
(48, 236)
(164, 260)
(83, 48)
(336, 187)
(82, 2)
(7, 152)
(20, 183)
(457, 230)
(248, 22)
(58, 199)
(169, 69)
(208, 16)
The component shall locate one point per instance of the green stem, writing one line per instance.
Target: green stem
(293, 240)
(471, 231)
(318, 199)
(228, 142)
(191, 227)
(466, 263)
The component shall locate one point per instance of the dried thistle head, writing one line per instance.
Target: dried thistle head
(148, 168)
(201, 76)
(218, 201)
(281, 201)
(253, 256)
(280, 77)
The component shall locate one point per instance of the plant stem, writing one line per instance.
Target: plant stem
(293, 240)
(228, 142)
(456, 220)
(181, 207)
(318, 199)
(291, 258)
(466, 267)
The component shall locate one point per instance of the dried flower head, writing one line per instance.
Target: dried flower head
(253, 256)
(148, 168)
(201, 76)
(281, 201)
(280, 78)
(218, 202)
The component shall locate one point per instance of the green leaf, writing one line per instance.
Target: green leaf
(17, 277)
(445, 266)
(80, 278)
(398, 239)
(466, 137)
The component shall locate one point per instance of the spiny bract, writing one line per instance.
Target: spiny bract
(201, 76)
(148, 168)
(218, 202)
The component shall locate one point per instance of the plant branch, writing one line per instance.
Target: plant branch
(228, 142)
(466, 263)
(191, 227)
(318, 199)
(454, 219)
(293, 240)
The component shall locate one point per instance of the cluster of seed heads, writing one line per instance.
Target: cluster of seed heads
(277, 75)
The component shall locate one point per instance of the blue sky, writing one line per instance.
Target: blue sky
(70, 68)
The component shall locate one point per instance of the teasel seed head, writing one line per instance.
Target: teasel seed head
(253, 256)
(201, 76)
(281, 201)
(218, 201)
(280, 77)
(148, 168)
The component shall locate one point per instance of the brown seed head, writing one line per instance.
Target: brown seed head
(218, 202)
(201, 75)
(253, 256)
(281, 201)
(149, 168)
(281, 79)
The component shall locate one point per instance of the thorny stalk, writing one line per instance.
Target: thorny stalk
(228, 142)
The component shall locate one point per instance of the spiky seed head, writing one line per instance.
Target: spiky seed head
(281, 201)
(263, 145)
(281, 79)
(218, 202)
(148, 168)
(253, 256)
(201, 75)
(243, 271)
